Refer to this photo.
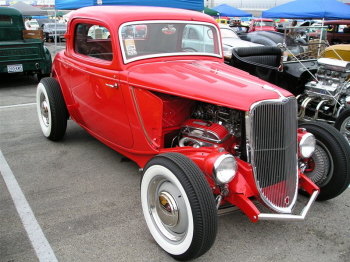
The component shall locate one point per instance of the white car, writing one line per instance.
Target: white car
(231, 40)
(199, 40)
(32, 25)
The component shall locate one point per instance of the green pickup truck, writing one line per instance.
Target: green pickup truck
(21, 50)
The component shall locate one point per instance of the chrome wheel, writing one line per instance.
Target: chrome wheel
(345, 129)
(44, 110)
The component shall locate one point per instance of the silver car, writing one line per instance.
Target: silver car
(52, 30)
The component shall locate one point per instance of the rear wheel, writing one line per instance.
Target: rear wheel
(329, 166)
(178, 206)
(51, 109)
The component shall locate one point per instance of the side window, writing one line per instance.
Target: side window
(94, 41)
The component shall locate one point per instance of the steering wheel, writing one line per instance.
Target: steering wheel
(100, 52)
(188, 49)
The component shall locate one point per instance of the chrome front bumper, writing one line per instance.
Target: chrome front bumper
(291, 217)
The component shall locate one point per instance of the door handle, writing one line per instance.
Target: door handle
(113, 86)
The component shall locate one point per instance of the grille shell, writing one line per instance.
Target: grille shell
(272, 147)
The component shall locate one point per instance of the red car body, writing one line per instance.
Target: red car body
(262, 24)
(185, 107)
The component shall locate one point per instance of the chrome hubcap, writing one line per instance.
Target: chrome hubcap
(168, 209)
(44, 111)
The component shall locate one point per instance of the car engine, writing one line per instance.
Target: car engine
(329, 93)
(212, 125)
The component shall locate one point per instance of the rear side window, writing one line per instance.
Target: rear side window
(5, 20)
(94, 41)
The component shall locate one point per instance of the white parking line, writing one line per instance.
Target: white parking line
(29, 104)
(36, 236)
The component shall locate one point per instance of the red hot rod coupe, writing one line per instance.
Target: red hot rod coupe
(208, 137)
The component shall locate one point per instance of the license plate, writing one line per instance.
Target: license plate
(14, 68)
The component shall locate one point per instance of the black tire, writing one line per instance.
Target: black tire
(343, 124)
(41, 76)
(329, 166)
(173, 182)
(51, 109)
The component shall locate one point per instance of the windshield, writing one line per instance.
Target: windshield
(264, 23)
(157, 38)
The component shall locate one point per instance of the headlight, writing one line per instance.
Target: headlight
(307, 145)
(225, 169)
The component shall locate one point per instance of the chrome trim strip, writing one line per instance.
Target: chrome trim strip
(145, 22)
(289, 217)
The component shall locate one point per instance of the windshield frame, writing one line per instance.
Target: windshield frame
(127, 60)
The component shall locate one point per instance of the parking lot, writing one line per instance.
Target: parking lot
(78, 200)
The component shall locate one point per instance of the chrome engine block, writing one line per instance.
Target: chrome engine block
(332, 79)
(211, 125)
(329, 92)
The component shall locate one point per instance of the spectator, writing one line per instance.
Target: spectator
(27, 23)
(346, 29)
(330, 28)
(60, 20)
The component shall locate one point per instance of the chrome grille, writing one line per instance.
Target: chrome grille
(273, 142)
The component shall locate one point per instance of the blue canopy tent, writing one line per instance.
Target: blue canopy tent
(322, 9)
(75, 4)
(227, 10)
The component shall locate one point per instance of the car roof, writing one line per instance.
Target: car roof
(7, 10)
(337, 22)
(122, 14)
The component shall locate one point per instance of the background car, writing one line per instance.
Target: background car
(337, 35)
(262, 24)
(34, 25)
(340, 52)
(271, 38)
(231, 40)
(52, 30)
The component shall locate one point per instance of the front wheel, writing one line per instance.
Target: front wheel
(178, 206)
(329, 166)
(343, 124)
(51, 109)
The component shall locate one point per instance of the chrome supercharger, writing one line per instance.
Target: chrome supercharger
(328, 92)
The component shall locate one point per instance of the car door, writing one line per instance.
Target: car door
(95, 88)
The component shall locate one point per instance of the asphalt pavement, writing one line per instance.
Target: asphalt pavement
(78, 200)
